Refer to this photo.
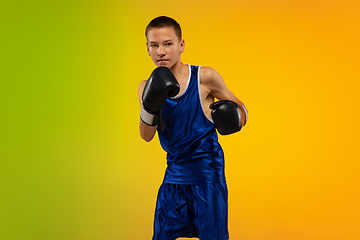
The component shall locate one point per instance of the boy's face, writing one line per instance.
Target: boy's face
(164, 47)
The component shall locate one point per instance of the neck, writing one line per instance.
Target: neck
(178, 69)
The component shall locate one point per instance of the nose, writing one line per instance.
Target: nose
(161, 51)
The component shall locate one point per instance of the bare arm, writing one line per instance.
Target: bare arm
(214, 84)
(146, 132)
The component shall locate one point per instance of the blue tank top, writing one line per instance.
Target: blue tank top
(188, 135)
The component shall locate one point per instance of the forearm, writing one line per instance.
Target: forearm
(244, 112)
(147, 132)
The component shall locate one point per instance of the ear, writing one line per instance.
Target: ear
(147, 47)
(182, 46)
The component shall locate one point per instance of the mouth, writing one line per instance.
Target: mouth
(162, 60)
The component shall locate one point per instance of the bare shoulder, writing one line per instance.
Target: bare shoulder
(208, 74)
(210, 78)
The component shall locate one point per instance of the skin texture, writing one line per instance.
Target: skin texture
(165, 49)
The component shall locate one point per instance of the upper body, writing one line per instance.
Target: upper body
(165, 46)
(188, 135)
(186, 130)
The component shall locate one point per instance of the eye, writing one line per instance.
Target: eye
(153, 45)
(169, 44)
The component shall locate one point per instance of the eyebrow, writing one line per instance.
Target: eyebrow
(169, 40)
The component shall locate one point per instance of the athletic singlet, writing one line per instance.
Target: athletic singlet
(188, 135)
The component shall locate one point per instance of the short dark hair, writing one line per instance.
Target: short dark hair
(163, 21)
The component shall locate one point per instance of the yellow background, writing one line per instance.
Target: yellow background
(73, 166)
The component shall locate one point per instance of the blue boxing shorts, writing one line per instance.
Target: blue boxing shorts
(192, 211)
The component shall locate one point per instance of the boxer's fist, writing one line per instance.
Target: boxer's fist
(226, 116)
(161, 85)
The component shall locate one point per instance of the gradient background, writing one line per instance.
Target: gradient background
(73, 165)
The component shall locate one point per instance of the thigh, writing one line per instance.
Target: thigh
(212, 211)
(173, 214)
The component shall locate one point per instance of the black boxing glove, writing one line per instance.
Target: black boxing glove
(161, 85)
(226, 116)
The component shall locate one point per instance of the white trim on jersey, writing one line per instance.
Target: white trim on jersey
(201, 103)
(186, 87)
